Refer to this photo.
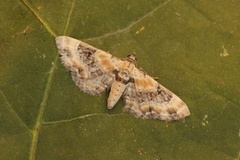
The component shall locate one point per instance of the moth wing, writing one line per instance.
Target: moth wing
(92, 69)
(146, 98)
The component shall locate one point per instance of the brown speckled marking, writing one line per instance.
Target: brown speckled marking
(171, 111)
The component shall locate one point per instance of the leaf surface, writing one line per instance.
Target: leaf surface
(192, 47)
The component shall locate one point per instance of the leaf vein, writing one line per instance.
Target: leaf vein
(42, 108)
(34, 11)
(131, 24)
(12, 111)
(69, 16)
(81, 117)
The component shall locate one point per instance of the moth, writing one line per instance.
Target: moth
(94, 71)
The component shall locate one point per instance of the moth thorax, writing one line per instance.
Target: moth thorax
(123, 77)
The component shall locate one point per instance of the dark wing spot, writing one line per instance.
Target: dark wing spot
(165, 96)
(171, 111)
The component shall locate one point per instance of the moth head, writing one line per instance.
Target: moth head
(132, 58)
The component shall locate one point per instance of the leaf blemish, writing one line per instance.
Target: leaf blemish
(224, 53)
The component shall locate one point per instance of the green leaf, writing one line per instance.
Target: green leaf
(193, 47)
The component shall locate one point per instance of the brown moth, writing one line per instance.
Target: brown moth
(95, 71)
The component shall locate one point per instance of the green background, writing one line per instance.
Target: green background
(193, 47)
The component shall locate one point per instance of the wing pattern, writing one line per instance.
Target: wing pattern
(146, 98)
(92, 69)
